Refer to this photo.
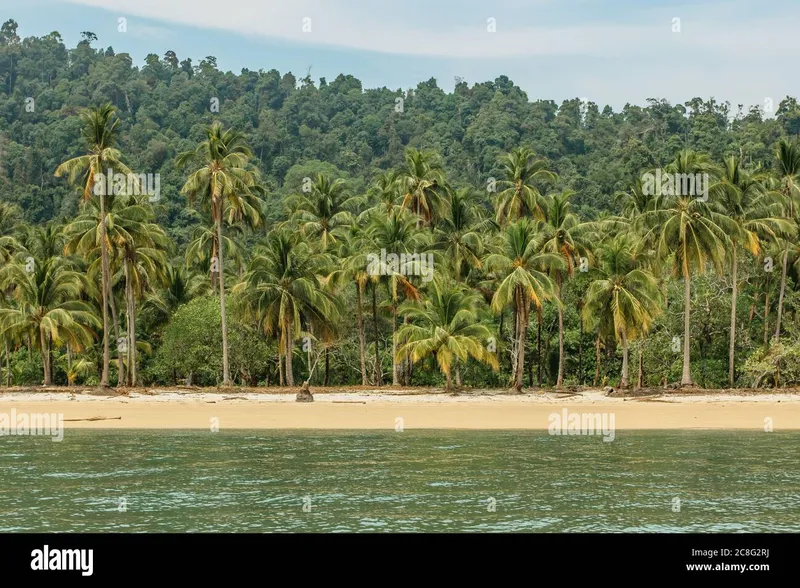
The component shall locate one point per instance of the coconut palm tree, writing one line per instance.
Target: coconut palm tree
(521, 196)
(623, 294)
(787, 170)
(325, 212)
(422, 182)
(99, 131)
(459, 233)
(447, 326)
(202, 248)
(521, 268)
(224, 182)
(565, 235)
(691, 234)
(48, 307)
(281, 290)
(394, 236)
(742, 197)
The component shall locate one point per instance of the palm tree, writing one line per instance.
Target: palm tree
(446, 325)
(386, 192)
(326, 211)
(202, 248)
(142, 252)
(566, 236)
(458, 235)
(352, 268)
(692, 234)
(395, 235)
(100, 134)
(788, 175)
(421, 182)
(521, 196)
(521, 268)
(224, 180)
(48, 306)
(624, 295)
(281, 290)
(742, 197)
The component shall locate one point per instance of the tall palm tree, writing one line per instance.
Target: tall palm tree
(48, 306)
(385, 192)
(352, 268)
(692, 234)
(396, 235)
(281, 290)
(446, 325)
(623, 294)
(564, 235)
(100, 125)
(223, 181)
(326, 211)
(742, 197)
(521, 269)
(787, 171)
(422, 182)
(521, 196)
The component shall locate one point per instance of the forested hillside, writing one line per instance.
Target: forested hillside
(551, 262)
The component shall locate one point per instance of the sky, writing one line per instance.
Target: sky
(605, 51)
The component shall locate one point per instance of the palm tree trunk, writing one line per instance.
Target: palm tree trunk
(362, 343)
(766, 316)
(69, 365)
(287, 334)
(133, 352)
(8, 366)
(327, 367)
(596, 361)
(395, 375)
(624, 341)
(104, 279)
(522, 313)
(378, 370)
(539, 346)
(580, 348)
(734, 292)
(214, 276)
(458, 376)
(686, 378)
(281, 381)
(784, 269)
(45, 357)
(226, 370)
(120, 361)
(640, 379)
(560, 378)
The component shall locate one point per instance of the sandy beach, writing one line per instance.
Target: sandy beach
(406, 409)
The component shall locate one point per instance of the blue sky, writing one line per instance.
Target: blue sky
(607, 51)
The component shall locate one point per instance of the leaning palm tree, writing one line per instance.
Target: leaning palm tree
(692, 234)
(225, 183)
(100, 134)
(326, 211)
(787, 171)
(422, 183)
(521, 268)
(447, 326)
(48, 307)
(742, 197)
(521, 196)
(623, 294)
(565, 235)
(281, 290)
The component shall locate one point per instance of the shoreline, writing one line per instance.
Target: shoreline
(385, 409)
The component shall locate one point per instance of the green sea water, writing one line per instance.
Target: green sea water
(435, 481)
